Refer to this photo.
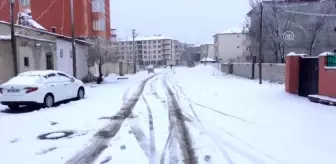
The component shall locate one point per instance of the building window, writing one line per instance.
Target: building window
(25, 2)
(26, 61)
(159, 46)
(61, 53)
(237, 46)
(145, 52)
(99, 25)
(49, 61)
(159, 51)
(154, 51)
(98, 6)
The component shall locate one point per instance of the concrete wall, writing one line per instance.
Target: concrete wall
(270, 72)
(82, 65)
(112, 67)
(26, 48)
(6, 61)
(64, 62)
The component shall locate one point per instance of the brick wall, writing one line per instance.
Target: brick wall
(272, 72)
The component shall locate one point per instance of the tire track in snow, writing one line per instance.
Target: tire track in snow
(177, 120)
(217, 139)
(153, 155)
(101, 139)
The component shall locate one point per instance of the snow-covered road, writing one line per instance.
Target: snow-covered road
(177, 116)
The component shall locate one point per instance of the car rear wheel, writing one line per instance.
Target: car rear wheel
(48, 101)
(13, 106)
(80, 93)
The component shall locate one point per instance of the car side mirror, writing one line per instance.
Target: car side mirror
(72, 79)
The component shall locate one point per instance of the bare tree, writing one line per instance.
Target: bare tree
(101, 51)
(319, 24)
(275, 22)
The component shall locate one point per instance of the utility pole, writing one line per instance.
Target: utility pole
(74, 61)
(260, 43)
(13, 38)
(134, 35)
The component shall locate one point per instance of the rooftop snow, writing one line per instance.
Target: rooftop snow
(233, 31)
(5, 37)
(144, 38)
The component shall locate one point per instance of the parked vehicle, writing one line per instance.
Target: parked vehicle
(43, 88)
(150, 69)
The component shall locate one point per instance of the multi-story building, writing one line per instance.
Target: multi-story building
(232, 45)
(301, 26)
(91, 17)
(157, 50)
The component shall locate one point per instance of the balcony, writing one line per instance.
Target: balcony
(165, 42)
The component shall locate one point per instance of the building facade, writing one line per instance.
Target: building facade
(91, 17)
(40, 50)
(208, 50)
(232, 45)
(303, 26)
(157, 50)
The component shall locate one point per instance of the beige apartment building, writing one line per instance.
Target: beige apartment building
(232, 45)
(156, 50)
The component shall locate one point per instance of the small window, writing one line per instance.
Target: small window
(49, 61)
(26, 61)
(61, 53)
(25, 2)
(159, 41)
(51, 75)
(237, 46)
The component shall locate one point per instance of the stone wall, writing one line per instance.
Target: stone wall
(272, 72)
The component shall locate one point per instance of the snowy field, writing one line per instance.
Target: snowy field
(230, 120)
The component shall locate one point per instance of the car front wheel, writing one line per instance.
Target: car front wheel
(80, 93)
(48, 101)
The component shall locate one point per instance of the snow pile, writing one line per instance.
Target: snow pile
(207, 59)
(5, 37)
(207, 69)
(326, 54)
(295, 54)
(111, 78)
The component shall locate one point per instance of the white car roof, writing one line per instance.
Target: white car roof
(39, 73)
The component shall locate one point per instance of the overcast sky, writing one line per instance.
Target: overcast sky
(192, 21)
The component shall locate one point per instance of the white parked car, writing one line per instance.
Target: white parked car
(40, 88)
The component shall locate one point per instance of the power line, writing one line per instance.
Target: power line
(46, 10)
(62, 19)
(311, 14)
(3, 4)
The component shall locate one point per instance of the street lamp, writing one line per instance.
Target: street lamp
(13, 38)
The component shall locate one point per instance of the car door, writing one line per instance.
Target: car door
(54, 86)
(66, 84)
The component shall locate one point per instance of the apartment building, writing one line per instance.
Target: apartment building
(157, 50)
(232, 45)
(91, 17)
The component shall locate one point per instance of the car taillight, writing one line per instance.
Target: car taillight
(31, 89)
(0, 90)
